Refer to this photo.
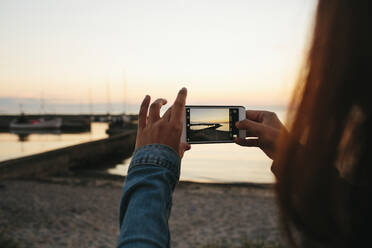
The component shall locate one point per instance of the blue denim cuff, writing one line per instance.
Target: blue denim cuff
(157, 155)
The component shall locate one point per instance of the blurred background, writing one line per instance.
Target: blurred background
(88, 65)
(72, 76)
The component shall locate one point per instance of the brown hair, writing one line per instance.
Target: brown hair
(325, 173)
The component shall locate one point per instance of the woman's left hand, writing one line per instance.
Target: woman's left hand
(164, 130)
(264, 125)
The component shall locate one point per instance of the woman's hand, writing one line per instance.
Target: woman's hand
(164, 130)
(265, 126)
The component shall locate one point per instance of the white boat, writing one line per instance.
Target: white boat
(38, 124)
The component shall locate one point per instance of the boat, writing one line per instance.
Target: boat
(23, 123)
(119, 124)
(23, 134)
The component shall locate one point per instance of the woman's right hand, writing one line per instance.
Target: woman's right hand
(264, 125)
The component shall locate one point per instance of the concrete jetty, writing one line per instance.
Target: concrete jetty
(86, 155)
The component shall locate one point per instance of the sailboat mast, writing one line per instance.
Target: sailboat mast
(124, 94)
(108, 97)
(42, 104)
(90, 102)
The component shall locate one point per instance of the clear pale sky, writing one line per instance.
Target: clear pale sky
(225, 52)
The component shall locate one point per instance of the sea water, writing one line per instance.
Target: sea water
(212, 163)
(12, 146)
(221, 163)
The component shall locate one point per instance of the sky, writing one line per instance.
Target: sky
(75, 53)
(209, 115)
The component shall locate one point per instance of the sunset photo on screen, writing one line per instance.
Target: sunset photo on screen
(209, 124)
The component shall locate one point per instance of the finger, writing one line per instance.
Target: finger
(154, 114)
(167, 114)
(142, 116)
(178, 108)
(247, 132)
(183, 147)
(252, 127)
(247, 142)
(254, 115)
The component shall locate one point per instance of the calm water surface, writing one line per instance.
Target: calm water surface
(12, 147)
(220, 163)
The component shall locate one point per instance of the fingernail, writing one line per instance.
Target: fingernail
(183, 89)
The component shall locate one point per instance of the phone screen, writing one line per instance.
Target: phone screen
(211, 124)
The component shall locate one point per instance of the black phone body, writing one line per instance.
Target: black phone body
(204, 124)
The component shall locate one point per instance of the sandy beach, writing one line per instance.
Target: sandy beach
(83, 212)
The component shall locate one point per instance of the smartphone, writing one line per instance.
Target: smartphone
(205, 124)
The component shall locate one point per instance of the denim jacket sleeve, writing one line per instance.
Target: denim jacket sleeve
(147, 197)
